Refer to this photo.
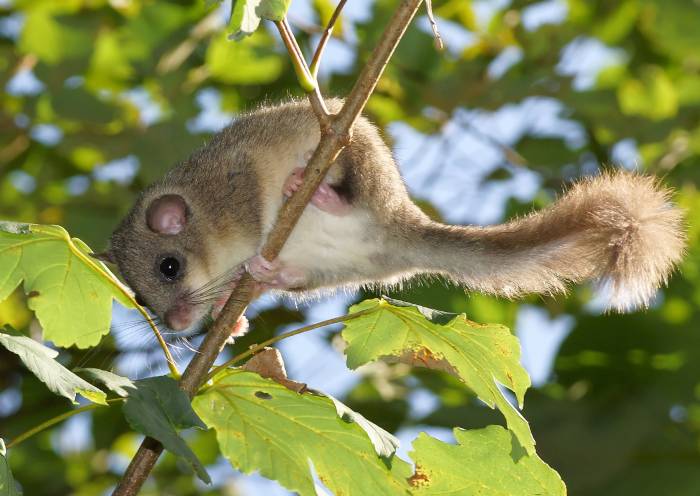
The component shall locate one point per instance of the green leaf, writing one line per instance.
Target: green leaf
(244, 18)
(40, 360)
(385, 444)
(253, 62)
(109, 65)
(653, 96)
(116, 383)
(263, 426)
(8, 487)
(485, 462)
(159, 408)
(50, 40)
(273, 10)
(482, 356)
(247, 14)
(70, 292)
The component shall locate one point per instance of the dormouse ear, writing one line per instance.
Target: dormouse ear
(105, 256)
(167, 214)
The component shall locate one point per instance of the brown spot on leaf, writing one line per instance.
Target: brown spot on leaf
(423, 357)
(33, 294)
(419, 478)
(263, 395)
(503, 350)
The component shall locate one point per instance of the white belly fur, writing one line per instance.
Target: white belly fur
(326, 242)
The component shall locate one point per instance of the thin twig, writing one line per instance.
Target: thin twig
(14, 149)
(332, 142)
(306, 80)
(304, 74)
(259, 347)
(327, 33)
(55, 420)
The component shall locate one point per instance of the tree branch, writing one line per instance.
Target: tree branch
(333, 139)
(324, 39)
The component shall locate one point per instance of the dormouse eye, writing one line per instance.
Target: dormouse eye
(169, 268)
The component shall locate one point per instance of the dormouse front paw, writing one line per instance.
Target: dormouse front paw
(273, 274)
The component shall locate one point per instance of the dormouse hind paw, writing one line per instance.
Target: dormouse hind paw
(325, 197)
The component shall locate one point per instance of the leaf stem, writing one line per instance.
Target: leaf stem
(327, 33)
(55, 420)
(317, 103)
(259, 347)
(306, 79)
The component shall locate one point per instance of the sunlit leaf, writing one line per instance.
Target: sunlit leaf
(482, 356)
(268, 363)
(653, 96)
(244, 18)
(117, 383)
(485, 462)
(252, 62)
(384, 443)
(247, 14)
(109, 66)
(49, 39)
(41, 361)
(274, 10)
(263, 426)
(70, 292)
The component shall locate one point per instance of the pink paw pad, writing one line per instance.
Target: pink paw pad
(261, 269)
(327, 199)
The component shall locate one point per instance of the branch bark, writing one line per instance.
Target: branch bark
(334, 138)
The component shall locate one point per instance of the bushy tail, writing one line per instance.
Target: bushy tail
(618, 229)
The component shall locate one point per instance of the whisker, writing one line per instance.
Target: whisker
(223, 279)
(188, 345)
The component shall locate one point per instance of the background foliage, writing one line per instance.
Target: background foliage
(101, 97)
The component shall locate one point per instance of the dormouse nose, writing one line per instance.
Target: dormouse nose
(178, 317)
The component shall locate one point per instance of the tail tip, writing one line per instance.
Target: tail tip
(649, 243)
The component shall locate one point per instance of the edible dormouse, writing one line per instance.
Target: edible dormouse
(189, 235)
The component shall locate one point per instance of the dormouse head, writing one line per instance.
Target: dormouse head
(161, 253)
